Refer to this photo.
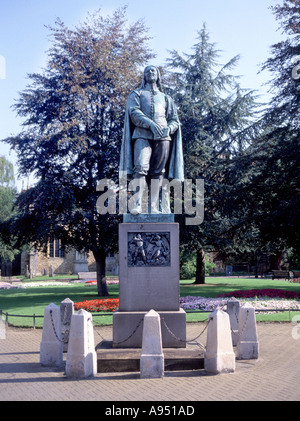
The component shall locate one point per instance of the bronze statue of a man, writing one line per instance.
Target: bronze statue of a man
(151, 145)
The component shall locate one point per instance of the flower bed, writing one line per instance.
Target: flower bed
(108, 282)
(212, 304)
(271, 293)
(201, 303)
(34, 284)
(106, 304)
(274, 299)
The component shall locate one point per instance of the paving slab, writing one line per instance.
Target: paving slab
(273, 377)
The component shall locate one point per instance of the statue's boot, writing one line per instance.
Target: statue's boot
(156, 185)
(141, 183)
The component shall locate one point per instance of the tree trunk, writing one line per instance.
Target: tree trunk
(200, 267)
(100, 257)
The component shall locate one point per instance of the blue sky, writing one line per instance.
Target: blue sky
(240, 27)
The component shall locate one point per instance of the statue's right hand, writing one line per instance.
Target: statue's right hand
(156, 129)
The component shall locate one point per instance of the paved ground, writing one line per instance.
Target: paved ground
(275, 376)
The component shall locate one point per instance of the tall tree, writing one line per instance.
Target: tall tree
(72, 132)
(216, 117)
(283, 110)
(266, 188)
(7, 178)
(7, 200)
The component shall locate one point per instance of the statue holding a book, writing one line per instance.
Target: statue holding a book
(152, 145)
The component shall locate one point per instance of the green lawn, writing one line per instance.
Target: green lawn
(33, 300)
(215, 286)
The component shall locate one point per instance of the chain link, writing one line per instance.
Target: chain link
(54, 330)
(237, 332)
(130, 336)
(188, 340)
(168, 329)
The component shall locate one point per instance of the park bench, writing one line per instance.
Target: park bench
(296, 273)
(279, 274)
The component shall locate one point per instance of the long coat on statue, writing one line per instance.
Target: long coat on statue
(175, 167)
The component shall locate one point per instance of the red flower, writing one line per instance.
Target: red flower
(106, 304)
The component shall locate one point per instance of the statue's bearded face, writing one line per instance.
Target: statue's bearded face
(151, 74)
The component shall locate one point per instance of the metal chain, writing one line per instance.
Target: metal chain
(89, 319)
(64, 315)
(236, 315)
(168, 329)
(130, 336)
(237, 320)
(188, 340)
(237, 332)
(54, 330)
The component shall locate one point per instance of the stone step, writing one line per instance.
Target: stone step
(118, 360)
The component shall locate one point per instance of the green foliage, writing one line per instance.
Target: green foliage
(189, 266)
(74, 115)
(266, 176)
(214, 110)
(294, 259)
(7, 178)
(217, 124)
(7, 201)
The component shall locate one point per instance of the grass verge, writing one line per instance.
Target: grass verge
(33, 300)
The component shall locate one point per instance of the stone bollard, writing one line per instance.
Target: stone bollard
(233, 308)
(152, 357)
(81, 357)
(51, 347)
(66, 313)
(219, 356)
(247, 346)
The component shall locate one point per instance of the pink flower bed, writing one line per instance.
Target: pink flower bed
(260, 299)
(271, 293)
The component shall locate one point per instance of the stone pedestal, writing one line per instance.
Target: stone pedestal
(66, 313)
(128, 329)
(219, 356)
(81, 359)
(148, 280)
(247, 345)
(51, 347)
(152, 357)
(233, 308)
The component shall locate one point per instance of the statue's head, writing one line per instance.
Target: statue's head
(158, 81)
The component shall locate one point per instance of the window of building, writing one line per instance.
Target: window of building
(56, 248)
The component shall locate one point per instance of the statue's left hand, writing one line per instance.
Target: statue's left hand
(156, 129)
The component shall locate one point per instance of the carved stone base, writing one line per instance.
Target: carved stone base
(149, 280)
(128, 329)
(149, 267)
